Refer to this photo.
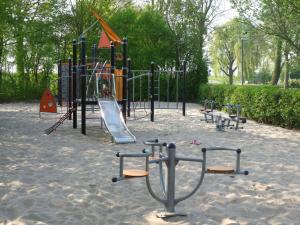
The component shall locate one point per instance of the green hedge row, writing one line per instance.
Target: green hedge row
(14, 87)
(266, 104)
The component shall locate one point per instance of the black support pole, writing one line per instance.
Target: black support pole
(59, 94)
(74, 83)
(184, 88)
(83, 86)
(128, 87)
(70, 88)
(94, 55)
(112, 57)
(124, 72)
(152, 92)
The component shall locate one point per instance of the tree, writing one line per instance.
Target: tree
(277, 62)
(149, 36)
(4, 18)
(223, 47)
(189, 21)
(275, 17)
(279, 18)
(236, 46)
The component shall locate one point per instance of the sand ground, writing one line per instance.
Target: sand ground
(65, 177)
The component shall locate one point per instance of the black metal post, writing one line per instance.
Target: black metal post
(112, 57)
(128, 87)
(94, 55)
(124, 79)
(59, 94)
(70, 88)
(152, 92)
(74, 83)
(184, 88)
(83, 86)
(171, 150)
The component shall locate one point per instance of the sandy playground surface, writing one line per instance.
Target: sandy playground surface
(65, 178)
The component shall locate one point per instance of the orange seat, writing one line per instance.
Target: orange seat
(135, 173)
(220, 169)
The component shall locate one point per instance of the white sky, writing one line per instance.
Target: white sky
(227, 14)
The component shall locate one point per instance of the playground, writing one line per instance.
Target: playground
(137, 127)
(65, 177)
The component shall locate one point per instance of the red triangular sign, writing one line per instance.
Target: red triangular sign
(47, 102)
(104, 41)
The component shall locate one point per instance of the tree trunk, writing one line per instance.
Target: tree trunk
(1, 53)
(231, 71)
(277, 63)
(65, 50)
(35, 71)
(230, 76)
(20, 54)
(287, 68)
(177, 57)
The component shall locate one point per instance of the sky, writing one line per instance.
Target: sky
(227, 14)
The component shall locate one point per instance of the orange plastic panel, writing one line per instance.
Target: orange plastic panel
(103, 42)
(47, 102)
(111, 34)
(119, 85)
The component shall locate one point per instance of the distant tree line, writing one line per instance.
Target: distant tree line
(35, 34)
(262, 44)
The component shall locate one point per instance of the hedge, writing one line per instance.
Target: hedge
(265, 104)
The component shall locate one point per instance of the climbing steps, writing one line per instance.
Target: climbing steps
(61, 121)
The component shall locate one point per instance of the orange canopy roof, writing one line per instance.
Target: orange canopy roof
(109, 32)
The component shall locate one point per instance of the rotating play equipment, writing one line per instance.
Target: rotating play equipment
(232, 120)
(170, 159)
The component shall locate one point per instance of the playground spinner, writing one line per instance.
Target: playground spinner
(170, 159)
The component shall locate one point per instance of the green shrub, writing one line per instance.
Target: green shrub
(265, 104)
(16, 88)
(221, 94)
(294, 83)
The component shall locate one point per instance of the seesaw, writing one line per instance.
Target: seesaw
(171, 160)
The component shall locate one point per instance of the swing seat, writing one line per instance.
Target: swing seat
(135, 173)
(232, 116)
(220, 170)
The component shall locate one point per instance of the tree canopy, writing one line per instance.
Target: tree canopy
(34, 35)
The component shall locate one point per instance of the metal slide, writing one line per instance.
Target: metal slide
(110, 110)
(114, 122)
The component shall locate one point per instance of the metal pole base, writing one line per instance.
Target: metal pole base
(166, 215)
(220, 128)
